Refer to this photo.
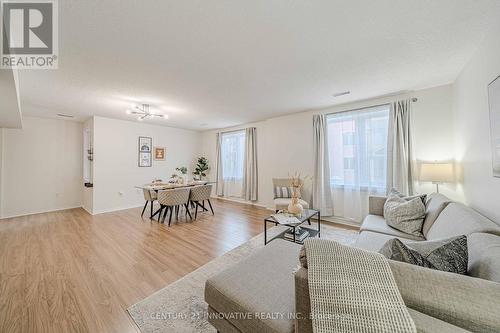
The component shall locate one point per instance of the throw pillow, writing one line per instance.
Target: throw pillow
(422, 197)
(406, 215)
(283, 192)
(449, 255)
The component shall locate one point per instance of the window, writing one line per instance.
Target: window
(348, 138)
(348, 163)
(357, 143)
(233, 155)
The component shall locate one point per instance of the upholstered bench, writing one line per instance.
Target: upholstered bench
(257, 294)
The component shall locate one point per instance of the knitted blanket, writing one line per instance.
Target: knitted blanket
(353, 290)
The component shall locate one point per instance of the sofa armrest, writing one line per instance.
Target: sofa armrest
(376, 205)
(461, 300)
(303, 322)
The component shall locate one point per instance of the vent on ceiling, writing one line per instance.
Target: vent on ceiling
(65, 115)
(341, 94)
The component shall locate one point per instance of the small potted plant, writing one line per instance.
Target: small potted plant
(183, 170)
(201, 168)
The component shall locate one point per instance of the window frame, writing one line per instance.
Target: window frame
(228, 133)
(362, 185)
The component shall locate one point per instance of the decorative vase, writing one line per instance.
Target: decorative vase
(295, 207)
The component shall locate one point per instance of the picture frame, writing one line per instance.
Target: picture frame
(145, 148)
(159, 153)
(145, 144)
(494, 106)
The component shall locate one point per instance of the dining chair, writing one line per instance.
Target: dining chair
(200, 194)
(150, 197)
(172, 200)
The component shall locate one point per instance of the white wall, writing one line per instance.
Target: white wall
(116, 170)
(42, 167)
(10, 110)
(1, 171)
(473, 146)
(285, 143)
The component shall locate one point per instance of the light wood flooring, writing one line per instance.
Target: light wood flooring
(68, 271)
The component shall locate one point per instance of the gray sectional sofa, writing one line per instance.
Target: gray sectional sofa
(265, 292)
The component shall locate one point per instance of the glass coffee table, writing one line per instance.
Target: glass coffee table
(306, 216)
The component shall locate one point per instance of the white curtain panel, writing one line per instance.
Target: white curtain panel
(232, 161)
(357, 145)
(220, 180)
(400, 164)
(322, 195)
(250, 180)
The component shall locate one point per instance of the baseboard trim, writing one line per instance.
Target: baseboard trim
(241, 202)
(111, 210)
(87, 210)
(39, 212)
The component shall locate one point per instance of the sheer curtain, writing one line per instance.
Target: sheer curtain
(357, 145)
(232, 150)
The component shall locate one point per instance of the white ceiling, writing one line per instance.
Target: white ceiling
(227, 62)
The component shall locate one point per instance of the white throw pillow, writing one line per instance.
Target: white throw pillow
(405, 214)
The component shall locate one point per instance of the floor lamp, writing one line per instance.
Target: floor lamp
(437, 173)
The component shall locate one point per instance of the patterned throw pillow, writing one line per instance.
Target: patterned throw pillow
(405, 214)
(283, 192)
(449, 255)
(422, 197)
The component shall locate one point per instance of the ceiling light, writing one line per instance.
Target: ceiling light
(144, 112)
(341, 94)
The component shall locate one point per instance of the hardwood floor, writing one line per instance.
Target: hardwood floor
(68, 271)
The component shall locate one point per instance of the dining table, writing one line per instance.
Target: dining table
(162, 186)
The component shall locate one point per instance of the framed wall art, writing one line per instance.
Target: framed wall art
(159, 153)
(145, 148)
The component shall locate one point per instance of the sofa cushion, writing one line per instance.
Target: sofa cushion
(282, 203)
(303, 323)
(263, 283)
(428, 324)
(434, 205)
(448, 255)
(372, 241)
(377, 223)
(376, 205)
(484, 256)
(457, 219)
(460, 300)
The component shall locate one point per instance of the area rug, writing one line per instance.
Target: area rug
(180, 306)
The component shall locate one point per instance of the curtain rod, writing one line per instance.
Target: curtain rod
(413, 99)
(232, 131)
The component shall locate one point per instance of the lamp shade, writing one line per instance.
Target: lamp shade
(437, 172)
